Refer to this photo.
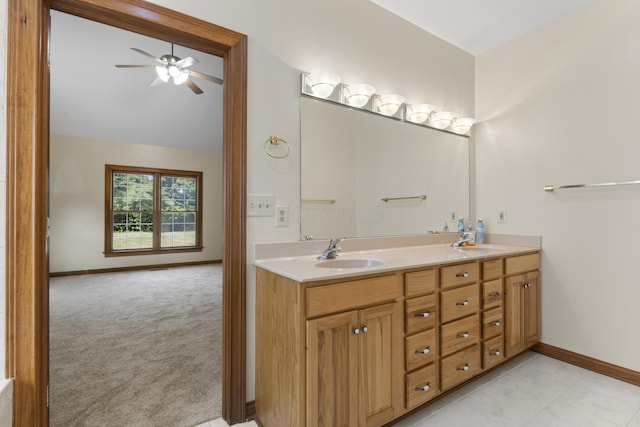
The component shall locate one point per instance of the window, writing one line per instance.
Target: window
(152, 210)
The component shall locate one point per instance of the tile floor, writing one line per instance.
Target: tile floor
(531, 390)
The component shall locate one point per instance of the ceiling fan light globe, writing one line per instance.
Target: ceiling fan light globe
(180, 78)
(174, 71)
(162, 72)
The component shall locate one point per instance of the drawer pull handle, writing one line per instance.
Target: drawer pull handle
(463, 335)
(496, 323)
(364, 329)
(425, 313)
(356, 331)
(463, 368)
(465, 274)
(494, 294)
(463, 303)
(425, 350)
(494, 353)
(425, 387)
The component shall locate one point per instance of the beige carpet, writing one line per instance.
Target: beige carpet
(136, 349)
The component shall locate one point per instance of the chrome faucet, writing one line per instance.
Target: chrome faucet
(460, 241)
(332, 251)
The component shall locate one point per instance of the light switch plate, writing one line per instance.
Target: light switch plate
(502, 216)
(260, 205)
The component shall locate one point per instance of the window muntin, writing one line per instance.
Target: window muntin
(152, 210)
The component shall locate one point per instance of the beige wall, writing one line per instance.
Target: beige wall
(560, 106)
(76, 197)
(356, 39)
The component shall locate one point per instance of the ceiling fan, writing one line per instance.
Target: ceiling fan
(172, 67)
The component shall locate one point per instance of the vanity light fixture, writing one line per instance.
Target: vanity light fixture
(418, 113)
(462, 125)
(388, 104)
(357, 95)
(323, 83)
(441, 119)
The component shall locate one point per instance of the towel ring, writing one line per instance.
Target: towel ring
(275, 140)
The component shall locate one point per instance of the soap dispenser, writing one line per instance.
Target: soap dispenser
(461, 225)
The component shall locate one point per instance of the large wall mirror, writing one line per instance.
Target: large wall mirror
(353, 159)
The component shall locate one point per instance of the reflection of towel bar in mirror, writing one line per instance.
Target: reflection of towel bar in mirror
(307, 200)
(421, 197)
(550, 188)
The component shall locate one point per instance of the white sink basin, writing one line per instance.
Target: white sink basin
(349, 263)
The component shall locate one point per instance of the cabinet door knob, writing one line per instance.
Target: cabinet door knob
(494, 294)
(356, 331)
(425, 313)
(496, 323)
(463, 368)
(425, 387)
(526, 285)
(425, 350)
(494, 353)
(463, 335)
(364, 329)
(463, 303)
(465, 274)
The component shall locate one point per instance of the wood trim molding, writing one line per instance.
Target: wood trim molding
(590, 363)
(27, 168)
(133, 268)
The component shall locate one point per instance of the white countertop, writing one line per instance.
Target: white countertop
(304, 268)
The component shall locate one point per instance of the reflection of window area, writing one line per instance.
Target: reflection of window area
(152, 210)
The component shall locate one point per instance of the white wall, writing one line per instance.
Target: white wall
(356, 39)
(560, 106)
(76, 195)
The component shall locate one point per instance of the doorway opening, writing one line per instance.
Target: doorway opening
(27, 159)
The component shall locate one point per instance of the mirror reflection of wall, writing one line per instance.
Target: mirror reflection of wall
(356, 158)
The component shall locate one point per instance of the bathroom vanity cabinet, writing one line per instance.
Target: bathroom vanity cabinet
(362, 351)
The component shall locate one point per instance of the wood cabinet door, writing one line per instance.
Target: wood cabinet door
(532, 308)
(379, 356)
(332, 370)
(514, 327)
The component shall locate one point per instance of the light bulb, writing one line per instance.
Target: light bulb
(322, 83)
(181, 78)
(358, 95)
(162, 73)
(174, 71)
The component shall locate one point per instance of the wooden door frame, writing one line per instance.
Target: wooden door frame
(27, 174)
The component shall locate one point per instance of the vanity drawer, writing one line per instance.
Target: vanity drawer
(460, 366)
(460, 302)
(459, 334)
(492, 323)
(522, 263)
(420, 313)
(422, 385)
(420, 282)
(421, 349)
(492, 294)
(492, 352)
(358, 293)
(492, 269)
(460, 274)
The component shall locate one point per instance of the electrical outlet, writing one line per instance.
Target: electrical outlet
(260, 205)
(282, 216)
(502, 216)
(453, 216)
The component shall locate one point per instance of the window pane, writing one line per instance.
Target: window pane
(178, 196)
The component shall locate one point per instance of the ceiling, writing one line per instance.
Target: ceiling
(479, 25)
(92, 98)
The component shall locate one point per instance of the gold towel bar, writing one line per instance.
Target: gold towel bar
(421, 197)
(332, 201)
(550, 188)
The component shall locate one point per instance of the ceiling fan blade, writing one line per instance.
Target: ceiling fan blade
(142, 52)
(204, 76)
(187, 62)
(156, 82)
(194, 87)
(135, 66)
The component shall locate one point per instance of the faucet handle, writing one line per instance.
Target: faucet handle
(334, 242)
